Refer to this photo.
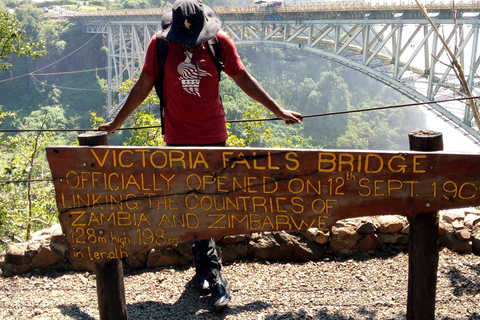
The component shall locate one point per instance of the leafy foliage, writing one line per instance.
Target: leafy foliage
(71, 93)
(145, 137)
(15, 40)
(26, 205)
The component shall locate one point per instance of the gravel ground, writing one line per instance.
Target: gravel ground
(359, 287)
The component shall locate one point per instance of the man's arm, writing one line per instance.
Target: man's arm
(137, 95)
(254, 90)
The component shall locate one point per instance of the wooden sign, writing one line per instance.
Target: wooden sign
(117, 201)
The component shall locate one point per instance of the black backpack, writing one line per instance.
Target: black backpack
(162, 51)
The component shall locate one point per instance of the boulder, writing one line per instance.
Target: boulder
(239, 238)
(15, 254)
(352, 222)
(310, 234)
(231, 252)
(344, 238)
(185, 248)
(316, 235)
(406, 229)
(393, 238)
(451, 215)
(391, 224)
(138, 260)
(471, 220)
(463, 234)
(83, 265)
(450, 241)
(458, 224)
(322, 236)
(165, 257)
(472, 210)
(369, 243)
(366, 227)
(476, 240)
(45, 258)
(47, 234)
(58, 237)
(283, 246)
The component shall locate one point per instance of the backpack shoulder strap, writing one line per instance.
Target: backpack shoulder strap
(216, 52)
(162, 45)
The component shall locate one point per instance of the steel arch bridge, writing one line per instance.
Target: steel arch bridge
(394, 44)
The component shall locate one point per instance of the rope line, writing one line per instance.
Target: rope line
(24, 181)
(43, 83)
(230, 121)
(362, 110)
(258, 120)
(70, 72)
(30, 73)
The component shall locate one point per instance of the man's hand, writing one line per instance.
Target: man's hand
(110, 127)
(290, 117)
(254, 90)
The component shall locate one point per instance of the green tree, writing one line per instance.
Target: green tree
(15, 40)
(382, 129)
(136, 4)
(27, 201)
(145, 137)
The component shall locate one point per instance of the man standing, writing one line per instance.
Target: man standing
(194, 115)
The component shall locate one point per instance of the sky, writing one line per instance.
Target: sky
(453, 140)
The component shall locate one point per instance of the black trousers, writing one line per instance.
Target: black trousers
(206, 256)
(205, 251)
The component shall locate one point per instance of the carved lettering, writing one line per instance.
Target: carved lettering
(117, 201)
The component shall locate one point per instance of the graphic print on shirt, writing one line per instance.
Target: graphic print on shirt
(190, 75)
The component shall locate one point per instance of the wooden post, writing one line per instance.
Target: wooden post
(423, 249)
(110, 284)
(96, 138)
(111, 290)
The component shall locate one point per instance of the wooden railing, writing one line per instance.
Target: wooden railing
(117, 201)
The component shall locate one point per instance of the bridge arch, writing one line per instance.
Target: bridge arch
(401, 87)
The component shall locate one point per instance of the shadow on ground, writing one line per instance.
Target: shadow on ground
(462, 284)
(74, 312)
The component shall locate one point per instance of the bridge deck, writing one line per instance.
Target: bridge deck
(351, 8)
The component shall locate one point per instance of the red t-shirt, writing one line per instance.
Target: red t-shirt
(193, 109)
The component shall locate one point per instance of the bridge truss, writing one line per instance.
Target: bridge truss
(397, 47)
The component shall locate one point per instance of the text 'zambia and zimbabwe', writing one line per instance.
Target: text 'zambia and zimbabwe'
(115, 201)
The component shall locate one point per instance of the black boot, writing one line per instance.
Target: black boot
(202, 284)
(206, 258)
(220, 289)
